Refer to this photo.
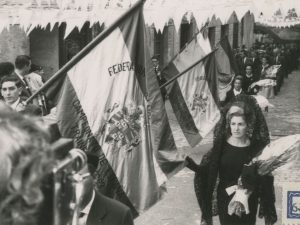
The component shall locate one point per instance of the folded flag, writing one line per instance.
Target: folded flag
(112, 106)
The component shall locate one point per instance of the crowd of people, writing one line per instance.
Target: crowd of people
(239, 136)
(254, 65)
(19, 80)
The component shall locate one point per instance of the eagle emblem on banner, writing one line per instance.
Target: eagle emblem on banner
(123, 125)
(200, 103)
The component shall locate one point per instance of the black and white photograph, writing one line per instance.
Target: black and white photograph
(149, 112)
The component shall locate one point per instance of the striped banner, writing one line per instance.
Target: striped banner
(194, 96)
(112, 106)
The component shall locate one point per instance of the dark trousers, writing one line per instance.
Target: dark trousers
(162, 90)
(279, 79)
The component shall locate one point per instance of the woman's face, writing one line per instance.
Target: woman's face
(238, 127)
(237, 85)
(264, 61)
(248, 70)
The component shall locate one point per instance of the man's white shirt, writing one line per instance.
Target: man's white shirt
(86, 211)
(236, 92)
(15, 104)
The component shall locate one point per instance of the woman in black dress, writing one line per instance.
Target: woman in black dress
(239, 136)
(236, 153)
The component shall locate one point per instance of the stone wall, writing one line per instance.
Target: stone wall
(44, 50)
(13, 43)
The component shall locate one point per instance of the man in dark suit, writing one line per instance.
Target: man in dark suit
(237, 53)
(11, 91)
(161, 80)
(243, 62)
(255, 60)
(278, 60)
(97, 209)
(23, 65)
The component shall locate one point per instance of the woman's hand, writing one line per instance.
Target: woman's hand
(192, 165)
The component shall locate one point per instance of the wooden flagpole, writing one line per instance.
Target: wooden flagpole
(193, 38)
(187, 69)
(220, 40)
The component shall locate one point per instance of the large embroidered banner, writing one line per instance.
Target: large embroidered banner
(112, 106)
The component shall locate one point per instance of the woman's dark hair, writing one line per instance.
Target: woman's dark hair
(10, 79)
(6, 68)
(25, 149)
(267, 57)
(240, 78)
(34, 68)
(251, 65)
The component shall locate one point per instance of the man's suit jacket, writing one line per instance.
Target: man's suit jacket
(25, 92)
(255, 63)
(280, 60)
(105, 211)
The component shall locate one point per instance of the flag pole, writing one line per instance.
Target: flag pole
(193, 38)
(187, 69)
(220, 40)
(85, 50)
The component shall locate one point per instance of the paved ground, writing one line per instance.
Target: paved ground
(180, 207)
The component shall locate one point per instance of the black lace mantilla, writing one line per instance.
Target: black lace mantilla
(206, 180)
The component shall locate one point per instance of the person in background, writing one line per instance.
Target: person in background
(235, 90)
(278, 60)
(36, 81)
(269, 92)
(244, 48)
(161, 80)
(23, 64)
(35, 78)
(255, 60)
(262, 68)
(294, 56)
(6, 69)
(243, 61)
(248, 79)
(11, 90)
(237, 53)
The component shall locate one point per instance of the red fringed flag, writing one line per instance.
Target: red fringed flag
(112, 106)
